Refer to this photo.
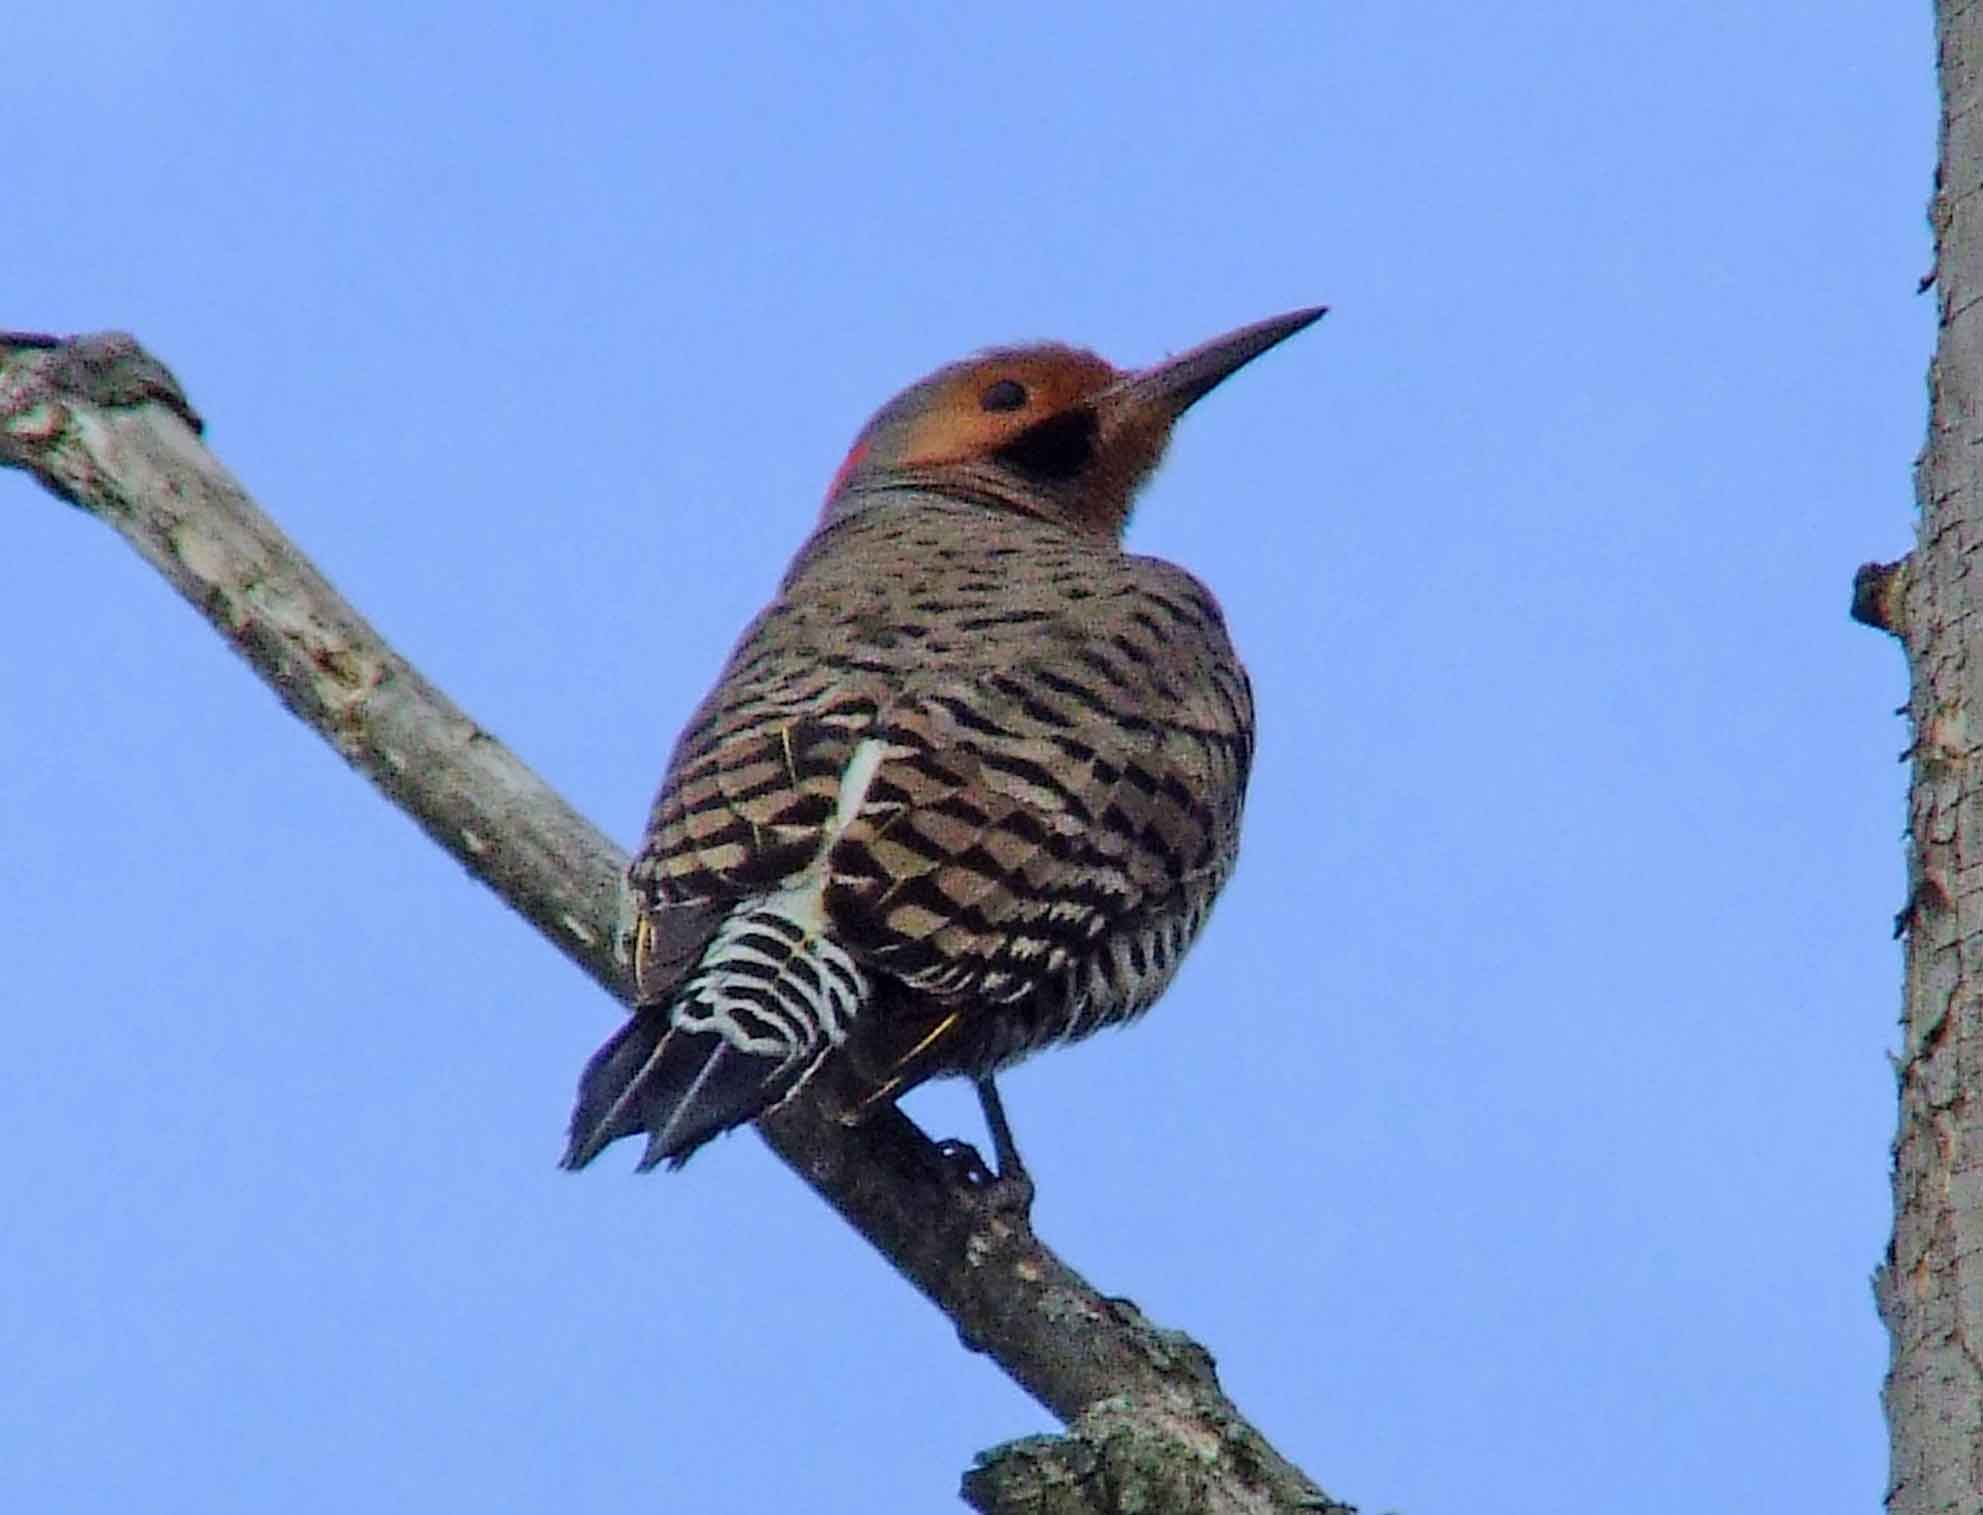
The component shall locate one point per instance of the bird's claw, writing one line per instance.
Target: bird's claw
(1009, 1194)
(963, 1166)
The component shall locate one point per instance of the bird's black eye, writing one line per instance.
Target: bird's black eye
(1006, 394)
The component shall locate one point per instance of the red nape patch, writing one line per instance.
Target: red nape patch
(860, 450)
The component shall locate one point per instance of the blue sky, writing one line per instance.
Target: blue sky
(1517, 1136)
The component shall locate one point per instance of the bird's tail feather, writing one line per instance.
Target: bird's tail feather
(769, 1000)
(680, 1086)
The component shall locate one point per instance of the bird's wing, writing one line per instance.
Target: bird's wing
(743, 810)
(1025, 810)
(1049, 765)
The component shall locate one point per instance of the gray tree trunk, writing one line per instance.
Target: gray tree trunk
(1930, 1288)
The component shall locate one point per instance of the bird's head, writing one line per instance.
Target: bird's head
(1048, 431)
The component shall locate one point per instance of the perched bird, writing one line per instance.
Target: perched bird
(966, 787)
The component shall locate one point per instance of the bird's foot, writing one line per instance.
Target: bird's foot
(1008, 1192)
(963, 1166)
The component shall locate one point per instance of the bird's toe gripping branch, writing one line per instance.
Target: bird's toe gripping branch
(1008, 1191)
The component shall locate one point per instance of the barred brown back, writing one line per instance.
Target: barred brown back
(1066, 739)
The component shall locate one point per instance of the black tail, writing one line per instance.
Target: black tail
(681, 1087)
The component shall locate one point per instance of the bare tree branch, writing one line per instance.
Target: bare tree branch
(104, 426)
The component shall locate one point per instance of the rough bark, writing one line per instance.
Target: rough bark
(1930, 1287)
(104, 426)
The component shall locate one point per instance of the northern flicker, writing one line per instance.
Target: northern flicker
(966, 787)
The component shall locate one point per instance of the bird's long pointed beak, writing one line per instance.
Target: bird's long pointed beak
(1171, 387)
